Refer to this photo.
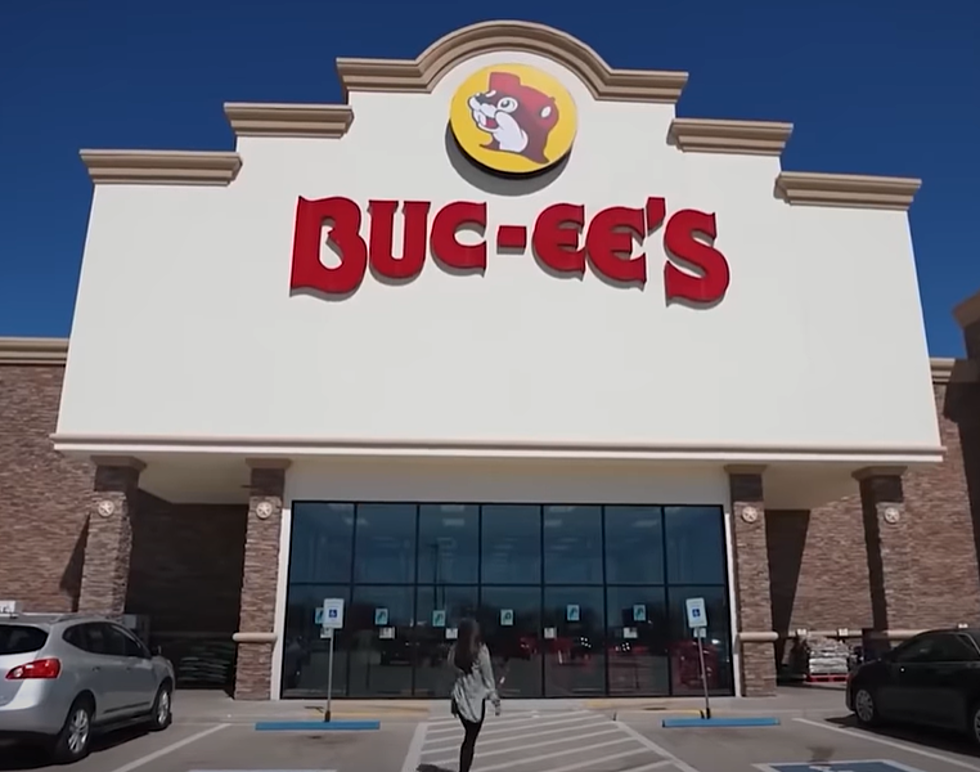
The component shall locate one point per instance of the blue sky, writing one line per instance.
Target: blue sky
(872, 87)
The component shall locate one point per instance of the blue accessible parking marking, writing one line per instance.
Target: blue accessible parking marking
(871, 765)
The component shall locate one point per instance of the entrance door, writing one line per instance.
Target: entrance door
(574, 630)
(510, 618)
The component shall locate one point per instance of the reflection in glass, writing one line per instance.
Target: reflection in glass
(573, 545)
(515, 648)
(449, 543)
(695, 545)
(305, 656)
(626, 570)
(684, 665)
(575, 659)
(634, 545)
(385, 543)
(321, 539)
(381, 655)
(511, 544)
(638, 641)
(432, 677)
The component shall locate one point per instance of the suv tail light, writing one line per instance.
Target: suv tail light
(41, 668)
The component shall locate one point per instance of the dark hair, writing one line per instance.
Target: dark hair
(468, 645)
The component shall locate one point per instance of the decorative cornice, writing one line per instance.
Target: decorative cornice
(33, 351)
(711, 135)
(161, 167)
(423, 73)
(847, 190)
(968, 311)
(288, 120)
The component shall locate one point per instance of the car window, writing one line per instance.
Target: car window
(937, 647)
(133, 646)
(88, 637)
(21, 639)
(115, 641)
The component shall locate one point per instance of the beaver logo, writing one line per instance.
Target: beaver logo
(513, 119)
(519, 118)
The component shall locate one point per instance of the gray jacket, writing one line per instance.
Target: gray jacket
(472, 689)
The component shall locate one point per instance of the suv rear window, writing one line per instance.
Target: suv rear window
(21, 639)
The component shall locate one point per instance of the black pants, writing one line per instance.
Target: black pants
(471, 731)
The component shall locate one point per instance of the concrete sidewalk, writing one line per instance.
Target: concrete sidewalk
(218, 707)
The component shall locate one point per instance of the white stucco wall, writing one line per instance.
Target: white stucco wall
(185, 326)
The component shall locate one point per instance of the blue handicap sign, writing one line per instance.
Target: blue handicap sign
(877, 765)
(332, 613)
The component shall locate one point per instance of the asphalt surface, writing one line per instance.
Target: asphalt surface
(530, 740)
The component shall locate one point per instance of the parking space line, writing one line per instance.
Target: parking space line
(454, 742)
(528, 726)
(556, 754)
(143, 760)
(648, 743)
(519, 720)
(570, 767)
(514, 749)
(891, 744)
(414, 753)
(453, 720)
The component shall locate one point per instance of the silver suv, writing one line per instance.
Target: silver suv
(64, 677)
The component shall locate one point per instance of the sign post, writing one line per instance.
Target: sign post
(697, 620)
(332, 620)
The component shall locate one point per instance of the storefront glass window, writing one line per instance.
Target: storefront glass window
(449, 544)
(573, 545)
(634, 545)
(573, 600)
(322, 537)
(695, 545)
(384, 548)
(511, 544)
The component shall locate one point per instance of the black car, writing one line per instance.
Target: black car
(930, 680)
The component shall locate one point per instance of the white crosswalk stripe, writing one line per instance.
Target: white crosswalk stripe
(544, 741)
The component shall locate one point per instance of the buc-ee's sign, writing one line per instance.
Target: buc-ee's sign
(564, 238)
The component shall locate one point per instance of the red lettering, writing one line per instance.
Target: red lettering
(307, 270)
(450, 219)
(681, 245)
(556, 238)
(656, 211)
(414, 246)
(606, 245)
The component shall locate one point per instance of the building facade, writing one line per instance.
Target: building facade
(500, 336)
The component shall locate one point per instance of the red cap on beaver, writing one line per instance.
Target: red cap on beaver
(532, 100)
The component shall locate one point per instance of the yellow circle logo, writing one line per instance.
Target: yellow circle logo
(513, 119)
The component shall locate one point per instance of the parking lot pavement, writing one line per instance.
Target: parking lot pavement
(808, 744)
(189, 748)
(545, 741)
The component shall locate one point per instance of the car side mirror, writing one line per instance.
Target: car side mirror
(156, 651)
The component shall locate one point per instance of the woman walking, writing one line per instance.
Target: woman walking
(470, 659)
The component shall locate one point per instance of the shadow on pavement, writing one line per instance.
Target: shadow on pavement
(937, 739)
(18, 757)
(432, 768)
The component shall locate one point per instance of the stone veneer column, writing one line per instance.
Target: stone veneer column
(752, 591)
(256, 637)
(889, 548)
(109, 544)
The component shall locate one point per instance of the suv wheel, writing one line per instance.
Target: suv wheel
(865, 708)
(72, 742)
(974, 726)
(162, 709)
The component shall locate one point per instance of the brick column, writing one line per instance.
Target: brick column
(889, 547)
(255, 636)
(105, 571)
(756, 637)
